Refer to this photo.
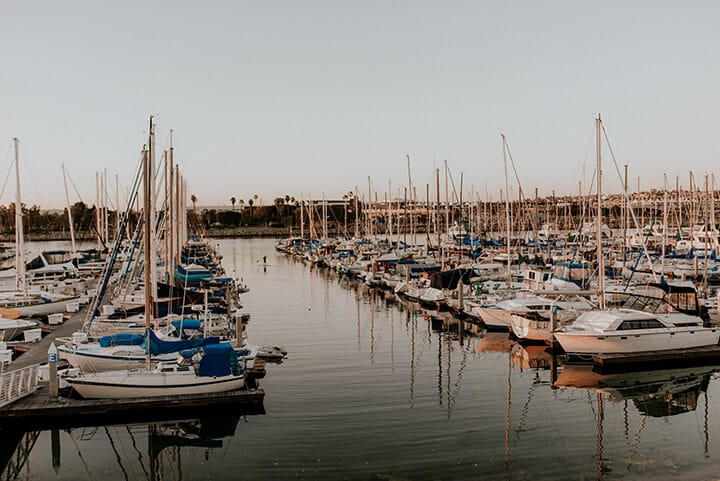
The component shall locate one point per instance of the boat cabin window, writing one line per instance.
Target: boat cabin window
(640, 324)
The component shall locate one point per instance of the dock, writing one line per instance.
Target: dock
(28, 353)
(698, 356)
(39, 412)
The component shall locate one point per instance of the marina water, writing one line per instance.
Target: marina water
(375, 389)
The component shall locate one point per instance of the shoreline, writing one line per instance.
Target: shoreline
(241, 232)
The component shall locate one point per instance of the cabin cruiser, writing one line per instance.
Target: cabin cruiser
(662, 317)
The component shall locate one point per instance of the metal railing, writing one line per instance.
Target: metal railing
(18, 384)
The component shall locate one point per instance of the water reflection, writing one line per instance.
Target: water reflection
(151, 451)
(658, 393)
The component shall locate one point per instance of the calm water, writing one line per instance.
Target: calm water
(371, 391)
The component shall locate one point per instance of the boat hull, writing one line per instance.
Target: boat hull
(531, 329)
(494, 318)
(627, 342)
(126, 385)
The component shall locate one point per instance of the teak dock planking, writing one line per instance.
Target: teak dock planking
(38, 411)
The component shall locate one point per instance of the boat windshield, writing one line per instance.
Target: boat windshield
(646, 304)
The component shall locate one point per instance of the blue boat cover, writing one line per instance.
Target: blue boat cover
(122, 339)
(187, 324)
(218, 360)
(156, 346)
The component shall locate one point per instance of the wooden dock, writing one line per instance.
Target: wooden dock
(39, 412)
(28, 353)
(699, 356)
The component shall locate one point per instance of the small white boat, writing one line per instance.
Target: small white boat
(11, 328)
(216, 370)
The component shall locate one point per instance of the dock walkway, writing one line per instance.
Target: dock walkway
(36, 352)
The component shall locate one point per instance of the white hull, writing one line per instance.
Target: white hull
(126, 384)
(631, 342)
(45, 308)
(11, 328)
(92, 359)
(494, 318)
(531, 330)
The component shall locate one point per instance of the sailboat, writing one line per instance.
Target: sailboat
(207, 369)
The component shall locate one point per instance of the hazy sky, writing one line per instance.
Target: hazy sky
(291, 97)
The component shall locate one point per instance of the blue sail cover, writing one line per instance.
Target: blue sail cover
(122, 339)
(192, 276)
(218, 360)
(187, 324)
(156, 346)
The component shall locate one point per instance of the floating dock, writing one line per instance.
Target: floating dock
(38, 411)
(698, 356)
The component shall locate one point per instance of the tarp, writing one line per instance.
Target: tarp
(218, 360)
(156, 346)
(187, 324)
(123, 339)
(450, 279)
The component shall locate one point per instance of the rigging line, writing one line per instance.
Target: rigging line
(7, 177)
(82, 459)
(635, 445)
(74, 187)
(117, 454)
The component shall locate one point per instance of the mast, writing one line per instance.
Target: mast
(19, 248)
(625, 214)
(302, 217)
(151, 225)
(598, 227)
(507, 209)
(171, 231)
(70, 219)
(437, 212)
(147, 244)
(447, 200)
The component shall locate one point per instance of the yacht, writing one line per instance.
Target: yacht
(662, 317)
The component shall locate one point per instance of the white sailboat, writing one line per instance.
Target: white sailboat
(208, 369)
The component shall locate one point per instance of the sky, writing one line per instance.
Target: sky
(311, 98)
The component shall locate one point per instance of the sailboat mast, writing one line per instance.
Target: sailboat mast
(598, 227)
(507, 210)
(70, 219)
(148, 240)
(19, 248)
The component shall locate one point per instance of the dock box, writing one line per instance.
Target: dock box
(32, 335)
(72, 306)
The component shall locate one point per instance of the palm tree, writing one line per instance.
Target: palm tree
(193, 199)
(241, 203)
(250, 203)
(232, 201)
(279, 203)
